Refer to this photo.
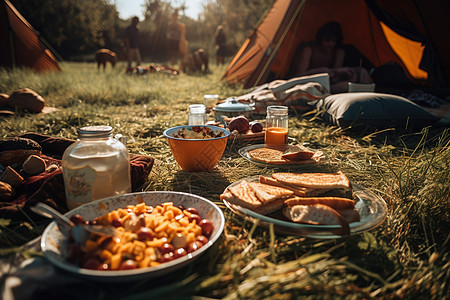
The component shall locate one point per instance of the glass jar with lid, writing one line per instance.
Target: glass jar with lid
(277, 122)
(96, 166)
(197, 114)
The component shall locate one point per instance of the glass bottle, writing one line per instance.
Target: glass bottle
(276, 125)
(96, 166)
(197, 114)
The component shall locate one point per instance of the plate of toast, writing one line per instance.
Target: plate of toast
(284, 155)
(314, 205)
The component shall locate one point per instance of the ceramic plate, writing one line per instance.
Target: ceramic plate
(244, 153)
(372, 210)
(53, 243)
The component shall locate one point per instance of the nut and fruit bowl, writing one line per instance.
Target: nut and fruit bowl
(197, 148)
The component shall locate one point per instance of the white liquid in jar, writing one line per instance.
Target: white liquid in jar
(90, 178)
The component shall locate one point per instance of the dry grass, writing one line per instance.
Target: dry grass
(406, 257)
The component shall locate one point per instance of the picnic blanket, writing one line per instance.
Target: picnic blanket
(48, 186)
(300, 93)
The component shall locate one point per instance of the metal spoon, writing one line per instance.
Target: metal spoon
(80, 232)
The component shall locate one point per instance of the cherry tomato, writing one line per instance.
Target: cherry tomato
(196, 218)
(194, 246)
(77, 219)
(166, 248)
(202, 239)
(192, 210)
(129, 264)
(207, 227)
(179, 253)
(116, 223)
(92, 263)
(145, 233)
(166, 257)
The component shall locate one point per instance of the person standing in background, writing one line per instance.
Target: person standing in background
(183, 47)
(132, 43)
(221, 41)
(173, 37)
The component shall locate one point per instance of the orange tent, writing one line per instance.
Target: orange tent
(19, 43)
(270, 49)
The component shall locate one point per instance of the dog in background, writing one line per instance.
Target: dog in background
(103, 56)
(196, 62)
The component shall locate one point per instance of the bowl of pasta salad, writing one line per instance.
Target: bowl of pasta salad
(156, 233)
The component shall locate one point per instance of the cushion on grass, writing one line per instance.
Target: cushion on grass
(374, 110)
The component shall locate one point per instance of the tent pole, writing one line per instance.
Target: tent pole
(13, 54)
(277, 46)
(52, 50)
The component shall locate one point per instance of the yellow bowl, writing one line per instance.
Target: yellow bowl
(197, 155)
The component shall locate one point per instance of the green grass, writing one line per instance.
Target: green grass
(406, 257)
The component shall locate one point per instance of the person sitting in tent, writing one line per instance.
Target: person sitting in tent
(324, 55)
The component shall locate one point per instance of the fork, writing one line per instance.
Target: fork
(80, 232)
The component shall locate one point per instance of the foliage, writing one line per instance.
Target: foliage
(239, 18)
(76, 29)
(72, 27)
(406, 257)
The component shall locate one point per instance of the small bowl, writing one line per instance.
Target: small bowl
(197, 155)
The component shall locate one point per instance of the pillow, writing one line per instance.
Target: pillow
(374, 110)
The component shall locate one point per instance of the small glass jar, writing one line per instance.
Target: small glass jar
(197, 114)
(277, 122)
(96, 166)
(210, 100)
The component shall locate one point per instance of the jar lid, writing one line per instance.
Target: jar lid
(277, 110)
(197, 108)
(101, 131)
(233, 105)
(212, 96)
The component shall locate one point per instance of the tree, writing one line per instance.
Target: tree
(72, 27)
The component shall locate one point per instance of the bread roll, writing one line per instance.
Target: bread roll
(16, 150)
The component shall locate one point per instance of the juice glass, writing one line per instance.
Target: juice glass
(276, 125)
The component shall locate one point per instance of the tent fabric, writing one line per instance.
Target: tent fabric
(272, 46)
(20, 46)
(424, 21)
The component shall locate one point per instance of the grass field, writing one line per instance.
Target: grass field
(406, 257)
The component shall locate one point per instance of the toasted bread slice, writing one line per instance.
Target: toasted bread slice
(267, 193)
(299, 155)
(267, 155)
(317, 214)
(350, 215)
(270, 207)
(243, 192)
(314, 180)
(333, 202)
(273, 154)
(308, 192)
(298, 191)
(257, 207)
(229, 197)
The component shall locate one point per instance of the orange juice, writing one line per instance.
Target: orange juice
(276, 135)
